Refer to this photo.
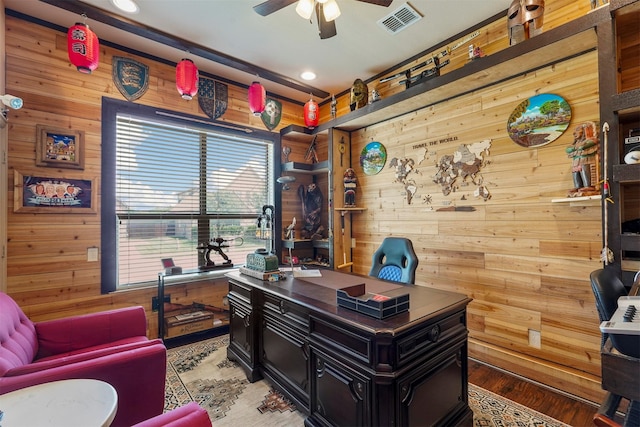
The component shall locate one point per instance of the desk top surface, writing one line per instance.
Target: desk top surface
(69, 403)
(319, 294)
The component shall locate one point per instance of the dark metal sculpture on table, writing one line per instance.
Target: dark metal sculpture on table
(215, 245)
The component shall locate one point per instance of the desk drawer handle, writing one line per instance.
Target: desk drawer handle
(434, 333)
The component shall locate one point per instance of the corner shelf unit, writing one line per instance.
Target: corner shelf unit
(620, 108)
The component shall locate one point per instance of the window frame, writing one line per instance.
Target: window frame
(108, 217)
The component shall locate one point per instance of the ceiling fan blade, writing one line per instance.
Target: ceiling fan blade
(270, 6)
(326, 29)
(385, 3)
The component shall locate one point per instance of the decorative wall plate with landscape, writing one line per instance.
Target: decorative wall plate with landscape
(539, 120)
(372, 158)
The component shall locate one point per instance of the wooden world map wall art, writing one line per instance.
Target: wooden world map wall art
(461, 167)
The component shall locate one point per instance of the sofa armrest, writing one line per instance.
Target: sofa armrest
(189, 415)
(77, 332)
(138, 375)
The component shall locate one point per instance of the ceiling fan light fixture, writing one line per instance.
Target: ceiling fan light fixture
(331, 10)
(305, 8)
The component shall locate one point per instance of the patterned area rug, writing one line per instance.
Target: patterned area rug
(201, 372)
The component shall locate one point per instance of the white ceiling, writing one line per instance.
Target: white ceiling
(282, 42)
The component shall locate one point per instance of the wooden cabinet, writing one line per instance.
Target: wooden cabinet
(620, 108)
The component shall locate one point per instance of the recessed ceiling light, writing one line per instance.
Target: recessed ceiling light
(128, 6)
(308, 75)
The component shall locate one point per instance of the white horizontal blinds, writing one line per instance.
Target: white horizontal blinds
(238, 173)
(178, 187)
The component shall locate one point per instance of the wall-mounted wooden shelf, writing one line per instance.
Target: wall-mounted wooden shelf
(310, 168)
(540, 51)
(350, 209)
(582, 199)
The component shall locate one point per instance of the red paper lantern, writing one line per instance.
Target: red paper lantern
(187, 79)
(257, 98)
(311, 114)
(83, 48)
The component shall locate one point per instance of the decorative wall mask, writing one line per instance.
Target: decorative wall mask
(359, 95)
(539, 120)
(524, 19)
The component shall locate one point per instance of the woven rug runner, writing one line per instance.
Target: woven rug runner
(201, 372)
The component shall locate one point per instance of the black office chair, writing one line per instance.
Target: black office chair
(395, 260)
(607, 288)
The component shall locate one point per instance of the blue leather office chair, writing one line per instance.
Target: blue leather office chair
(395, 260)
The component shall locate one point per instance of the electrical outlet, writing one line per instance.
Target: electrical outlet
(353, 242)
(534, 338)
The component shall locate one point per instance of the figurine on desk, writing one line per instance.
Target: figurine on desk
(217, 246)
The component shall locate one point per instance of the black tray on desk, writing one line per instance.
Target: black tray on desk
(380, 306)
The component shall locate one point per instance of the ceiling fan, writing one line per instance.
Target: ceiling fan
(326, 11)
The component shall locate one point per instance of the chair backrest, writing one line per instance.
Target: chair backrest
(395, 260)
(607, 288)
(18, 339)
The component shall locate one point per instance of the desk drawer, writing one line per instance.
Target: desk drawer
(430, 337)
(241, 292)
(287, 313)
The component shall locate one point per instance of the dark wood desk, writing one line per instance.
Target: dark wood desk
(344, 368)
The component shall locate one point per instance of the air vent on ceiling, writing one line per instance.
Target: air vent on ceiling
(400, 19)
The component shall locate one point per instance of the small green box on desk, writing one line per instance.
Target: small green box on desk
(380, 305)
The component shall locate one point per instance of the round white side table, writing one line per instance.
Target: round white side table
(68, 403)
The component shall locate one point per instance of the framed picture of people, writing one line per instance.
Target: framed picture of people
(59, 148)
(52, 194)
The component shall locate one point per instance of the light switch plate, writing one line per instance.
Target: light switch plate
(92, 254)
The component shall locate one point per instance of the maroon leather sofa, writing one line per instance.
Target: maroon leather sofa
(189, 415)
(111, 346)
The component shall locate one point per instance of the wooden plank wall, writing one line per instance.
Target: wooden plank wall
(48, 272)
(524, 260)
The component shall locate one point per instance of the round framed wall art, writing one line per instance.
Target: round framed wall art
(539, 120)
(373, 158)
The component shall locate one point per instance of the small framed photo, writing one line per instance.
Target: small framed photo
(59, 148)
(52, 194)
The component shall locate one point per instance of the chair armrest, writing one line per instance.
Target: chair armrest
(77, 332)
(38, 366)
(189, 415)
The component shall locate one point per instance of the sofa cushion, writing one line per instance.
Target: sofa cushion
(18, 340)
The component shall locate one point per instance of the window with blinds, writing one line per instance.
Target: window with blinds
(179, 187)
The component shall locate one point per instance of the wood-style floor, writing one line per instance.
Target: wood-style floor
(563, 408)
